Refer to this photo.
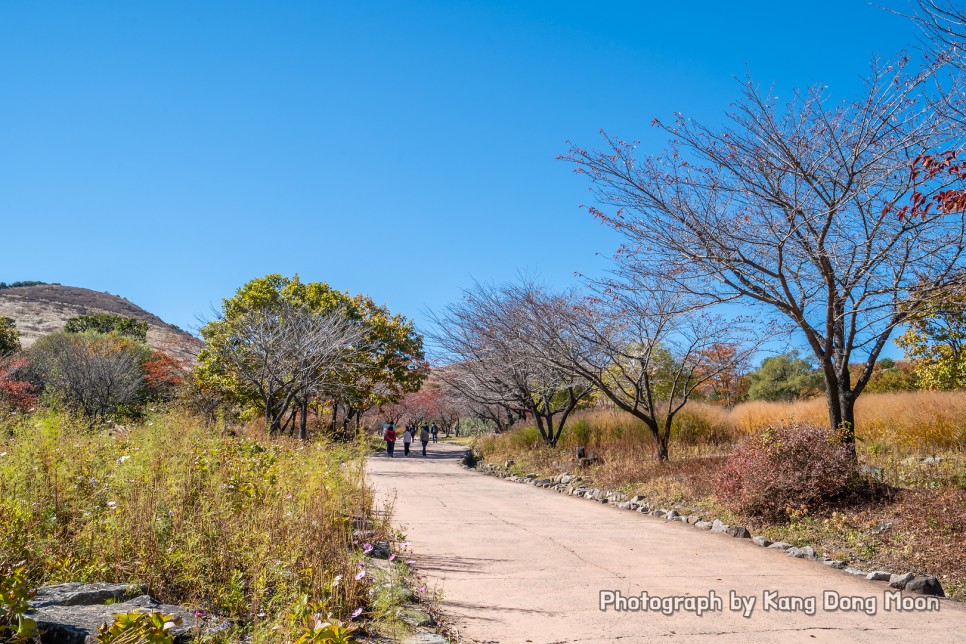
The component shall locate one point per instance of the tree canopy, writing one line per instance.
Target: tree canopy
(281, 343)
(9, 337)
(108, 323)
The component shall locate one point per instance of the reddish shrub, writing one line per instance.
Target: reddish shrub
(162, 375)
(784, 472)
(15, 393)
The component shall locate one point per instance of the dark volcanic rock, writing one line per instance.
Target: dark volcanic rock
(71, 613)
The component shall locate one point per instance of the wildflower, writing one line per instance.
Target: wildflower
(2, 454)
(112, 504)
(420, 588)
(392, 556)
(360, 574)
(367, 548)
(356, 613)
(122, 459)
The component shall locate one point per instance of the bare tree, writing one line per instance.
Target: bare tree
(646, 348)
(943, 24)
(815, 213)
(288, 354)
(495, 369)
(94, 373)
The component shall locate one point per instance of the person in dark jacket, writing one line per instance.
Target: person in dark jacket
(424, 437)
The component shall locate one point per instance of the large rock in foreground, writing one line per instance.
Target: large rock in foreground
(70, 613)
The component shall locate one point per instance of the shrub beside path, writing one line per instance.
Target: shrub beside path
(518, 564)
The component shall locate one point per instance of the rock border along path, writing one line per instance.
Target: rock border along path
(571, 485)
(516, 563)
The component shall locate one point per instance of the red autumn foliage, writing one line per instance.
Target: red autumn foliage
(15, 394)
(946, 167)
(786, 471)
(162, 374)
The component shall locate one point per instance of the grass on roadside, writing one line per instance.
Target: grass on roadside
(234, 525)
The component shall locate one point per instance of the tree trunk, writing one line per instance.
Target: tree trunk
(662, 453)
(303, 429)
(841, 410)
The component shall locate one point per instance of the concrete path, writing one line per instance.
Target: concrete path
(520, 564)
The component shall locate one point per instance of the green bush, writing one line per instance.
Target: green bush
(137, 627)
(14, 593)
(107, 323)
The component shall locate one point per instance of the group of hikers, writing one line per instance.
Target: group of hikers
(409, 435)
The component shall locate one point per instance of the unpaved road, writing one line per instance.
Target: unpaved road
(520, 564)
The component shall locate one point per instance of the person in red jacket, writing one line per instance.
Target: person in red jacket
(389, 435)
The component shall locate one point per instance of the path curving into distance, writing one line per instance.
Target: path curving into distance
(517, 564)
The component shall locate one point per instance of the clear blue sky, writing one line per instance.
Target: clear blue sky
(170, 151)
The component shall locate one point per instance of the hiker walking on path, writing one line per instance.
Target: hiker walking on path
(424, 437)
(389, 435)
(434, 430)
(408, 439)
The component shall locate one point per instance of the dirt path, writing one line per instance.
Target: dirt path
(520, 564)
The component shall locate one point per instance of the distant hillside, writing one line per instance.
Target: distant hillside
(42, 309)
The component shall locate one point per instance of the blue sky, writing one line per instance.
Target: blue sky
(169, 152)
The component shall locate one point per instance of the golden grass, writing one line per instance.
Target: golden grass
(905, 422)
(235, 525)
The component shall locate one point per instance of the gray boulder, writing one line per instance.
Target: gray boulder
(738, 532)
(900, 581)
(703, 525)
(71, 613)
(426, 638)
(879, 575)
(761, 541)
(801, 553)
(671, 514)
(925, 585)
(718, 526)
(779, 545)
(79, 594)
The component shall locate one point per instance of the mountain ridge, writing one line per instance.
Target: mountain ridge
(45, 308)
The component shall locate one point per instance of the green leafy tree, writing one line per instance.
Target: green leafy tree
(936, 341)
(389, 364)
(890, 375)
(785, 377)
(4, 285)
(9, 337)
(107, 323)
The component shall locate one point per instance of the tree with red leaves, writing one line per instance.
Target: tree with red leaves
(15, 393)
(162, 375)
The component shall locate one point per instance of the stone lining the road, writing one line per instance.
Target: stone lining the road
(577, 486)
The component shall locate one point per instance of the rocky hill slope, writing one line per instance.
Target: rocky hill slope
(39, 310)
